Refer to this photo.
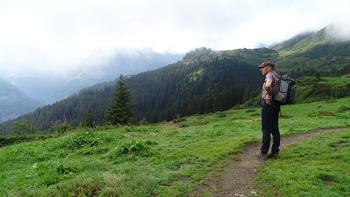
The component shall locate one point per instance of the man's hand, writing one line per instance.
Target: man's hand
(268, 99)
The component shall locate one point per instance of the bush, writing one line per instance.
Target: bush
(23, 127)
(285, 116)
(343, 108)
(63, 169)
(87, 138)
(182, 125)
(220, 114)
(140, 129)
(321, 114)
(177, 120)
(60, 127)
(83, 186)
(13, 139)
(254, 114)
(139, 148)
(250, 110)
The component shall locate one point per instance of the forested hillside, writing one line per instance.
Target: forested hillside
(49, 87)
(206, 81)
(312, 53)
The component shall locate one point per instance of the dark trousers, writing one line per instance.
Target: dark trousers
(269, 123)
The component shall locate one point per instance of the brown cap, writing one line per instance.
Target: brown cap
(266, 63)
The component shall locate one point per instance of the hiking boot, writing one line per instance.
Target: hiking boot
(261, 156)
(273, 155)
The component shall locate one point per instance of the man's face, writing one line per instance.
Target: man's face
(265, 70)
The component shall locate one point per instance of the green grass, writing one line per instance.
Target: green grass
(6, 140)
(312, 89)
(165, 159)
(318, 166)
(335, 81)
(302, 47)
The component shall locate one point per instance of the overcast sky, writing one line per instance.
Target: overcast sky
(47, 35)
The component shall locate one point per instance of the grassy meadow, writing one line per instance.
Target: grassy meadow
(318, 166)
(165, 159)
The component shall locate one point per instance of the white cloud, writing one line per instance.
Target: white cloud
(42, 36)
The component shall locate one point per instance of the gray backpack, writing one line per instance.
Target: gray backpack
(284, 90)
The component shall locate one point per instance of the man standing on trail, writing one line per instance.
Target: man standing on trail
(270, 112)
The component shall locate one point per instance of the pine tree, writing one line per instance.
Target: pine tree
(119, 111)
(1, 129)
(89, 119)
(317, 76)
(246, 94)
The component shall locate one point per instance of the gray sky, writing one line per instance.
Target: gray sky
(44, 36)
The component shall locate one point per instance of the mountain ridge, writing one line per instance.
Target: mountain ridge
(205, 81)
(13, 102)
(51, 87)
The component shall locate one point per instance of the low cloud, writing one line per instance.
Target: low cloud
(43, 36)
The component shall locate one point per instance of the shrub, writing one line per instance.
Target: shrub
(250, 110)
(285, 116)
(177, 120)
(60, 127)
(327, 177)
(321, 114)
(140, 129)
(220, 115)
(83, 186)
(23, 127)
(87, 138)
(182, 125)
(139, 148)
(343, 108)
(254, 114)
(63, 169)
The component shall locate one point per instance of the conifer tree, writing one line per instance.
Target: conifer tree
(1, 129)
(119, 111)
(89, 119)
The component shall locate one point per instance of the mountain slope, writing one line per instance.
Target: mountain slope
(13, 102)
(99, 67)
(204, 81)
(321, 52)
(305, 41)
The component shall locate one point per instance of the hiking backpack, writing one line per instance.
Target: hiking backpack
(285, 90)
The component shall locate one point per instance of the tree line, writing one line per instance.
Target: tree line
(204, 81)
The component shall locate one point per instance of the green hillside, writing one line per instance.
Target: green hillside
(312, 88)
(304, 41)
(314, 52)
(204, 81)
(165, 159)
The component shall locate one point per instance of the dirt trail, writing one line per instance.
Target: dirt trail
(237, 179)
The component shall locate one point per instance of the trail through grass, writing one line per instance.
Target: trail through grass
(166, 159)
(315, 167)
